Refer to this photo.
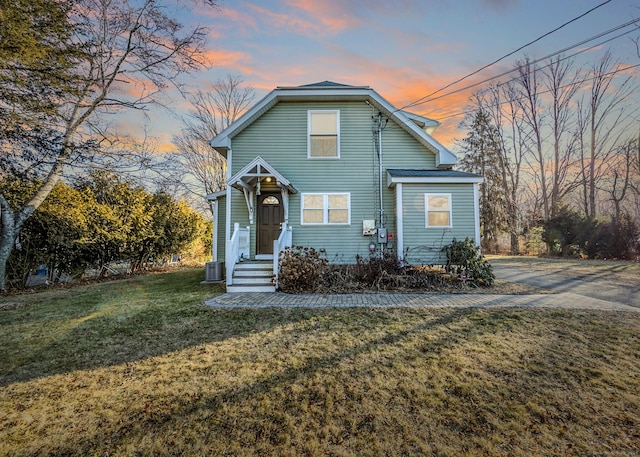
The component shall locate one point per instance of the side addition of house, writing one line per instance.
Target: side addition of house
(339, 169)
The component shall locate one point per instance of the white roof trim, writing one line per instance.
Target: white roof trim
(216, 195)
(246, 170)
(444, 157)
(392, 181)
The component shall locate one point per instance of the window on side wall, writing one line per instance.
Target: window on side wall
(324, 134)
(326, 209)
(437, 210)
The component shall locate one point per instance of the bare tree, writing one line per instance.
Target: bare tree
(621, 168)
(500, 101)
(212, 111)
(530, 105)
(231, 98)
(125, 55)
(605, 120)
(562, 84)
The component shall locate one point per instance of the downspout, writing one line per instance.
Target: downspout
(227, 223)
(380, 169)
(216, 227)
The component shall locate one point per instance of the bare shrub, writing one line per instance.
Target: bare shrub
(300, 268)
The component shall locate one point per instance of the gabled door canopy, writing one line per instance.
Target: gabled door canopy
(250, 178)
(255, 172)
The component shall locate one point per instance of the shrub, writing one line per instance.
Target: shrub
(465, 263)
(371, 271)
(569, 234)
(617, 239)
(300, 269)
(304, 270)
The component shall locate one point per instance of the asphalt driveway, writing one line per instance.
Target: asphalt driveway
(614, 282)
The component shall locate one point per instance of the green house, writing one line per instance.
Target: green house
(340, 169)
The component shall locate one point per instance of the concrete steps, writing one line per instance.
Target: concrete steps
(252, 276)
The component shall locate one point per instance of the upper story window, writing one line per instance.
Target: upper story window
(437, 210)
(324, 134)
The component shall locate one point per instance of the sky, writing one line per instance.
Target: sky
(403, 49)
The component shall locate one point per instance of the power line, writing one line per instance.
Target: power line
(484, 81)
(505, 56)
(630, 67)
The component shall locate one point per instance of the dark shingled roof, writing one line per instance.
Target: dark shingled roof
(325, 84)
(399, 173)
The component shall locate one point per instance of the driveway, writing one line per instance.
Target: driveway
(614, 282)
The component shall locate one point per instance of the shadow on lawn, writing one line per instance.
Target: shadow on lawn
(613, 281)
(119, 322)
(211, 412)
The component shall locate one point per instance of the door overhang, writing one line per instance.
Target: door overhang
(250, 179)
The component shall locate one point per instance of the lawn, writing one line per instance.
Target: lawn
(142, 367)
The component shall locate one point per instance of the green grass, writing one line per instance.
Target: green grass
(142, 367)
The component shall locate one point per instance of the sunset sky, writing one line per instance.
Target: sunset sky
(404, 49)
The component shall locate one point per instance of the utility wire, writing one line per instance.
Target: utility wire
(460, 113)
(568, 48)
(505, 56)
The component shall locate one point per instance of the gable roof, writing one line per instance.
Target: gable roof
(326, 84)
(416, 126)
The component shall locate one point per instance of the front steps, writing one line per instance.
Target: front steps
(252, 276)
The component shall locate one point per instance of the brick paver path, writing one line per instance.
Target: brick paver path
(565, 300)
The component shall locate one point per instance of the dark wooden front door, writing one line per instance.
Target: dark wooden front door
(269, 220)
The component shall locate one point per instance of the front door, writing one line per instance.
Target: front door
(270, 216)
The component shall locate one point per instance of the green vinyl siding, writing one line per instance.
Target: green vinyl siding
(423, 245)
(280, 137)
(219, 227)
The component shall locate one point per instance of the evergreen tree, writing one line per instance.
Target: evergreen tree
(64, 66)
(482, 152)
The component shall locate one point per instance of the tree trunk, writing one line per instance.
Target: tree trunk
(7, 239)
(12, 222)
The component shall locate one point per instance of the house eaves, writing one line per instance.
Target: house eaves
(328, 91)
(216, 195)
(410, 176)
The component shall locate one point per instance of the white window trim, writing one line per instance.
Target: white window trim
(325, 208)
(309, 113)
(426, 210)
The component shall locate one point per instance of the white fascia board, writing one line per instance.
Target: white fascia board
(217, 195)
(423, 122)
(223, 139)
(444, 157)
(221, 142)
(392, 181)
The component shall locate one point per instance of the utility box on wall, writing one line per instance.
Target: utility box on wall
(368, 228)
(382, 235)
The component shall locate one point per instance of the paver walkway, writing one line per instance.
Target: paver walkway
(565, 300)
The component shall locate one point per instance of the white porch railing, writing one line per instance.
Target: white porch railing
(279, 245)
(237, 247)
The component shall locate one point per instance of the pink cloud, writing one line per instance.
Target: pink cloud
(230, 59)
(400, 85)
(331, 15)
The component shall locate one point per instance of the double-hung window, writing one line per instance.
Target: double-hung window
(324, 134)
(326, 209)
(437, 210)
